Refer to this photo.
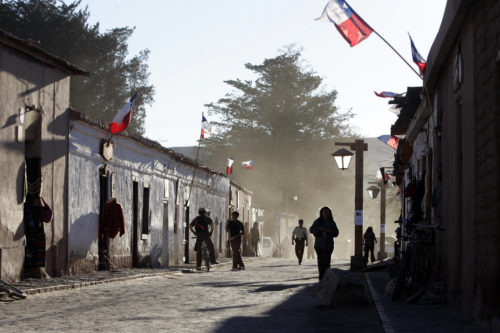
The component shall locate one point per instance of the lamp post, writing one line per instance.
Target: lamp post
(381, 254)
(344, 156)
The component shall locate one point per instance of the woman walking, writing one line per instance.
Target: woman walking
(324, 230)
(369, 241)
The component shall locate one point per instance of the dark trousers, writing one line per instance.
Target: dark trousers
(372, 257)
(299, 249)
(204, 237)
(236, 248)
(324, 258)
(255, 247)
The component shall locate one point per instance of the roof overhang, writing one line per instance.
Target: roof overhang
(40, 54)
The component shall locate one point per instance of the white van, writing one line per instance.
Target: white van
(268, 247)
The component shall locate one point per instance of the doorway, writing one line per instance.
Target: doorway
(186, 236)
(135, 223)
(164, 237)
(103, 243)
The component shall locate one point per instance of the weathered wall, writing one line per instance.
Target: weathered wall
(470, 156)
(168, 180)
(486, 44)
(23, 82)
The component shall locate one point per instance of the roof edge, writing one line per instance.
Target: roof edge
(40, 54)
(455, 13)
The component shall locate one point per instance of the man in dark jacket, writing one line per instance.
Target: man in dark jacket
(202, 227)
(236, 231)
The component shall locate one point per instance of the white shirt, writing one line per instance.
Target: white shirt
(299, 233)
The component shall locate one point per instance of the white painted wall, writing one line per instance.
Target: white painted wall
(150, 167)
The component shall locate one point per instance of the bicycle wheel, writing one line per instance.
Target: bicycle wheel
(11, 291)
(402, 278)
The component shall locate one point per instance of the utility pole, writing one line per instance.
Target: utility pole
(359, 146)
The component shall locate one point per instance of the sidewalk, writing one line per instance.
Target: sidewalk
(402, 317)
(33, 286)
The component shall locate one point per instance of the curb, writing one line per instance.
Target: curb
(78, 285)
(384, 319)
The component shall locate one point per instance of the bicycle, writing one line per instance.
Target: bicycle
(11, 291)
(205, 255)
(416, 259)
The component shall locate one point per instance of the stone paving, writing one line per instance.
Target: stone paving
(271, 295)
(35, 286)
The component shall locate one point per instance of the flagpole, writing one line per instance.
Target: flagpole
(194, 172)
(406, 62)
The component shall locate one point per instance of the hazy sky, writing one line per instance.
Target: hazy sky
(196, 45)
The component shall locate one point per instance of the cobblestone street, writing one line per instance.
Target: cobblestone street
(270, 295)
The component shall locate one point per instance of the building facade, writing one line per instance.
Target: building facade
(34, 98)
(452, 151)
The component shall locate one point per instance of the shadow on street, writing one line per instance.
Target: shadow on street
(301, 312)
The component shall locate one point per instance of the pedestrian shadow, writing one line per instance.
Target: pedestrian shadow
(277, 287)
(225, 284)
(276, 266)
(302, 312)
(225, 308)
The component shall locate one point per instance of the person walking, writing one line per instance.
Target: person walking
(324, 230)
(299, 236)
(255, 235)
(236, 231)
(202, 227)
(369, 241)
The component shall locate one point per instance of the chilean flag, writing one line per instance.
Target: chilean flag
(386, 94)
(205, 127)
(122, 118)
(229, 167)
(247, 164)
(390, 140)
(417, 58)
(348, 23)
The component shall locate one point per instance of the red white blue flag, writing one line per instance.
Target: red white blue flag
(122, 118)
(417, 58)
(386, 94)
(350, 25)
(390, 140)
(205, 127)
(229, 166)
(247, 164)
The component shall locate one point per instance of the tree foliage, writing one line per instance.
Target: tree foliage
(287, 122)
(63, 30)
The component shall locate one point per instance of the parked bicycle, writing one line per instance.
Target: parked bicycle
(10, 291)
(415, 264)
(205, 255)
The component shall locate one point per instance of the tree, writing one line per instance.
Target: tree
(287, 122)
(63, 30)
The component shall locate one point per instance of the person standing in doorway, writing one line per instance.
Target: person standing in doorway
(202, 227)
(255, 235)
(236, 231)
(369, 241)
(299, 237)
(324, 230)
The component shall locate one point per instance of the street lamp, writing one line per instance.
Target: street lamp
(373, 191)
(343, 157)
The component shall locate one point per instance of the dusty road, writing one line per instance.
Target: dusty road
(271, 295)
